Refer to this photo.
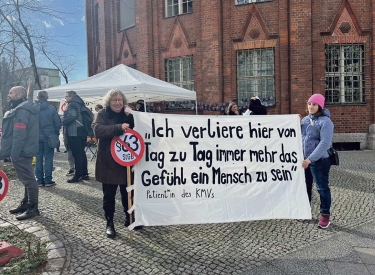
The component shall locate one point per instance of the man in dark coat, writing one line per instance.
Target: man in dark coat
(20, 142)
(76, 135)
(140, 107)
(256, 106)
(50, 124)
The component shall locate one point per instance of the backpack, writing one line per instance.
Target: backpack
(87, 118)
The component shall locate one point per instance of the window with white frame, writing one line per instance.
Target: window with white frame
(176, 7)
(241, 2)
(345, 67)
(127, 14)
(256, 75)
(180, 72)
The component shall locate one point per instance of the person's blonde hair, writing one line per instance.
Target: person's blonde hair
(111, 94)
(229, 108)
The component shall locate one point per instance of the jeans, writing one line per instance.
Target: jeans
(77, 145)
(109, 194)
(45, 155)
(25, 174)
(320, 172)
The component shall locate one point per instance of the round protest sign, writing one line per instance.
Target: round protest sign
(128, 148)
(4, 185)
(63, 106)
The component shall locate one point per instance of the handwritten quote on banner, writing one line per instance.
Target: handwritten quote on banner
(211, 169)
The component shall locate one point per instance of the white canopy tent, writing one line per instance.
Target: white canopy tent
(134, 84)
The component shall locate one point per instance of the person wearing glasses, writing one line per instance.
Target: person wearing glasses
(110, 122)
(76, 135)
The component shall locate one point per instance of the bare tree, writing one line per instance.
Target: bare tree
(11, 14)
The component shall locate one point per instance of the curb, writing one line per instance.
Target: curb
(57, 255)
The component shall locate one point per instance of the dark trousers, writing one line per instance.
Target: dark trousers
(109, 194)
(309, 182)
(25, 173)
(77, 146)
(319, 171)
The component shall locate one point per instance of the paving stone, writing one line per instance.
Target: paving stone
(340, 268)
(55, 264)
(56, 253)
(367, 255)
(33, 229)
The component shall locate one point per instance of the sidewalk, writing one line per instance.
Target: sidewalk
(73, 215)
(350, 252)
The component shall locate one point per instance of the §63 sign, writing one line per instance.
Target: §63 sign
(128, 149)
(4, 185)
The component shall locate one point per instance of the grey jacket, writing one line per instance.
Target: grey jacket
(21, 131)
(73, 121)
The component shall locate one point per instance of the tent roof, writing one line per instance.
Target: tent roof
(134, 84)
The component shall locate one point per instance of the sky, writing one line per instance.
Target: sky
(71, 33)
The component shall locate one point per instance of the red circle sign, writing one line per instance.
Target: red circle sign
(4, 185)
(63, 106)
(128, 148)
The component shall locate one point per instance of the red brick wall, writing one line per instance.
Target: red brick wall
(297, 29)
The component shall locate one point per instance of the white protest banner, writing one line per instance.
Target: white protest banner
(213, 169)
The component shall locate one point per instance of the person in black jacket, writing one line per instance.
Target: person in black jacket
(256, 106)
(76, 135)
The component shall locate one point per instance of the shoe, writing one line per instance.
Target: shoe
(20, 209)
(32, 211)
(74, 179)
(110, 228)
(70, 172)
(41, 184)
(52, 183)
(85, 177)
(324, 221)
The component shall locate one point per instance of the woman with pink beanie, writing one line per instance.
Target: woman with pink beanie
(317, 133)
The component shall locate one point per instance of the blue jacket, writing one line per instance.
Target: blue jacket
(314, 146)
(49, 121)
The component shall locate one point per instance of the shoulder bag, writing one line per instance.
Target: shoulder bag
(333, 155)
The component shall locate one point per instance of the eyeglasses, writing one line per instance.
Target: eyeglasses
(117, 100)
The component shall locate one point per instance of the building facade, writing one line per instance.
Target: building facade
(280, 50)
(48, 77)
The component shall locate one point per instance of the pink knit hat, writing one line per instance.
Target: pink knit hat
(318, 99)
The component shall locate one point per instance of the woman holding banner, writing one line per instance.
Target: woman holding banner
(110, 122)
(233, 109)
(317, 133)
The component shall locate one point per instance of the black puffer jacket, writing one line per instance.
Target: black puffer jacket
(73, 118)
(257, 108)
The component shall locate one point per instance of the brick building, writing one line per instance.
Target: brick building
(281, 50)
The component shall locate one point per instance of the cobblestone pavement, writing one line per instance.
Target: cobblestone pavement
(73, 212)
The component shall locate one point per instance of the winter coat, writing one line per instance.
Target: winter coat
(71, 116)
(257, 108)
(315, 146)
(49, 121)
(107, 125)
(21, 131)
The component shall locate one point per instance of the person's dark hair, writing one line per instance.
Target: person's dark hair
(42, 95)
(71, 93)
(99, 106)
(320, 111)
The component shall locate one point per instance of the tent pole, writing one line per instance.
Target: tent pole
(144, 102)
(196, 106)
